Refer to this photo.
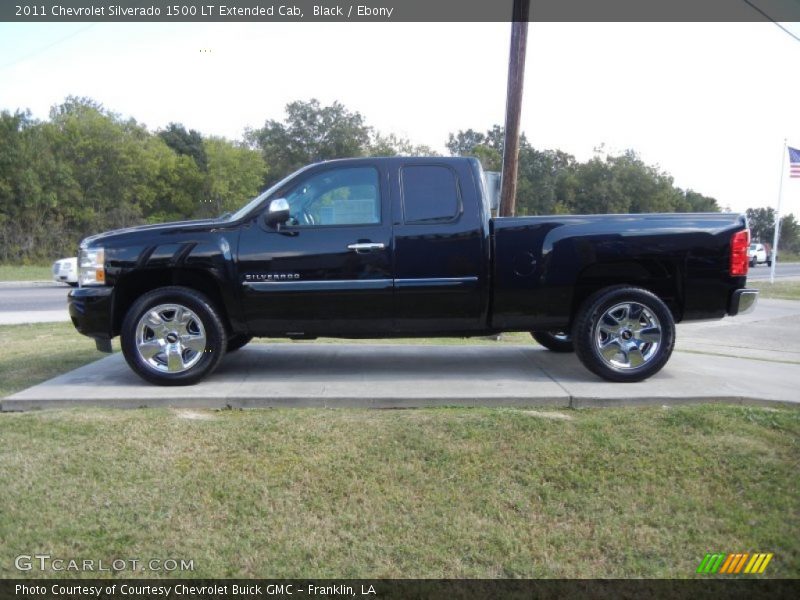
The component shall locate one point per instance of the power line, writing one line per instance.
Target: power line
(47, 47)
(766, 16)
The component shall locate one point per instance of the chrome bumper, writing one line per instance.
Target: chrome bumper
(742, 302)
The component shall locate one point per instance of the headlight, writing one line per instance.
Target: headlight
(91, 266)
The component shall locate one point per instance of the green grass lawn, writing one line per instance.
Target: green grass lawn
(26, 272)
(786, 256)
(30, 354)
(785, 290)
(640, 492)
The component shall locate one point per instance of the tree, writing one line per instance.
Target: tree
(553, 182)
(25, 206)
(696, 202)
(464, 142)
(542, 184)
(790, 234)
(188, 143)
(309, 133)
(235, 174)
(762, 224)
(392, 145)
(762, 228)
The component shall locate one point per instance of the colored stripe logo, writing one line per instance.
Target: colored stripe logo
(735, 564)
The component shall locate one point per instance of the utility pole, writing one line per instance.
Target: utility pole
(516, 75)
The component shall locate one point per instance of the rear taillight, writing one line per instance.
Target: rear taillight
(740, 243)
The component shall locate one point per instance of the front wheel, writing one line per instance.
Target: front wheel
(624, 334)
(173, 336)
(556, 341)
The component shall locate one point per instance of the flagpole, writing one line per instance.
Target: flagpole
(776, 235)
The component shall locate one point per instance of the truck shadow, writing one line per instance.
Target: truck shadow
(342, 362)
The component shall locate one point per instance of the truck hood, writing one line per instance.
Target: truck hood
(197, 224)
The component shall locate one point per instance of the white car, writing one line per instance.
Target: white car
(66, 271)
(759, 254)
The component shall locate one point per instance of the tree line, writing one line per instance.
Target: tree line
(86, 169)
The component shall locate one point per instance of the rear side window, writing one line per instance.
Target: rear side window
(430, 194)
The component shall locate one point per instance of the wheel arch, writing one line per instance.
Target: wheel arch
(658, 277)
(132, 286)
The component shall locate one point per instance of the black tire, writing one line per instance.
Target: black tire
(638, 340)
(556, 341)
(72, 283)
(238, 340)
(197, 336)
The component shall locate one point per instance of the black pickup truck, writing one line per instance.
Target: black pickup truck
(383, 247)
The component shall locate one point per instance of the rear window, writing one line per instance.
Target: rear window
(430, 194)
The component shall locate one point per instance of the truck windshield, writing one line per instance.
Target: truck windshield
(250, 206)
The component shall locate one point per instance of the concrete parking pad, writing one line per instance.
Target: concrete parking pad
(753, 358)
(400, 376)
(319, 375)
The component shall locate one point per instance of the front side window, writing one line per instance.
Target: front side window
(348, 196)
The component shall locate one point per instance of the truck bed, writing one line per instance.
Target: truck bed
(544, 267)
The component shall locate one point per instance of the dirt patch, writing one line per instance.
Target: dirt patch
(553, 416)
(193, 415)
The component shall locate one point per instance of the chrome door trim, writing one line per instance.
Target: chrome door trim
(318, 285)
(436, 282)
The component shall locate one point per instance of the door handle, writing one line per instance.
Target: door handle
(366, 246)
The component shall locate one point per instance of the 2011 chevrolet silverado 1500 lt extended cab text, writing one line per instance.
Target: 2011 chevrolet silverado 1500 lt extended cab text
(382, 247)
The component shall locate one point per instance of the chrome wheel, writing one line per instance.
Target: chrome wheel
(170, 338)
(627, 336)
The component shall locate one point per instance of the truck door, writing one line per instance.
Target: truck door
(328, 269)
(441, 255)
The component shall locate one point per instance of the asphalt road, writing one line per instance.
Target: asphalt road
(782, 271)
(32, 298)
(49, 301)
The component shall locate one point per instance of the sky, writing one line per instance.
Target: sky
(709, 103)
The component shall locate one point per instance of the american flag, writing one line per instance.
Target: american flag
(794, 162)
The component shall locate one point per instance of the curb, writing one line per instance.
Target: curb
(301, 402)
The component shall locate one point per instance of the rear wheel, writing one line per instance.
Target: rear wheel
(557, 341)
(624, 334)
(173, 336)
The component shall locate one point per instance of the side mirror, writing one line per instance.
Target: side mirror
(278, 212)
